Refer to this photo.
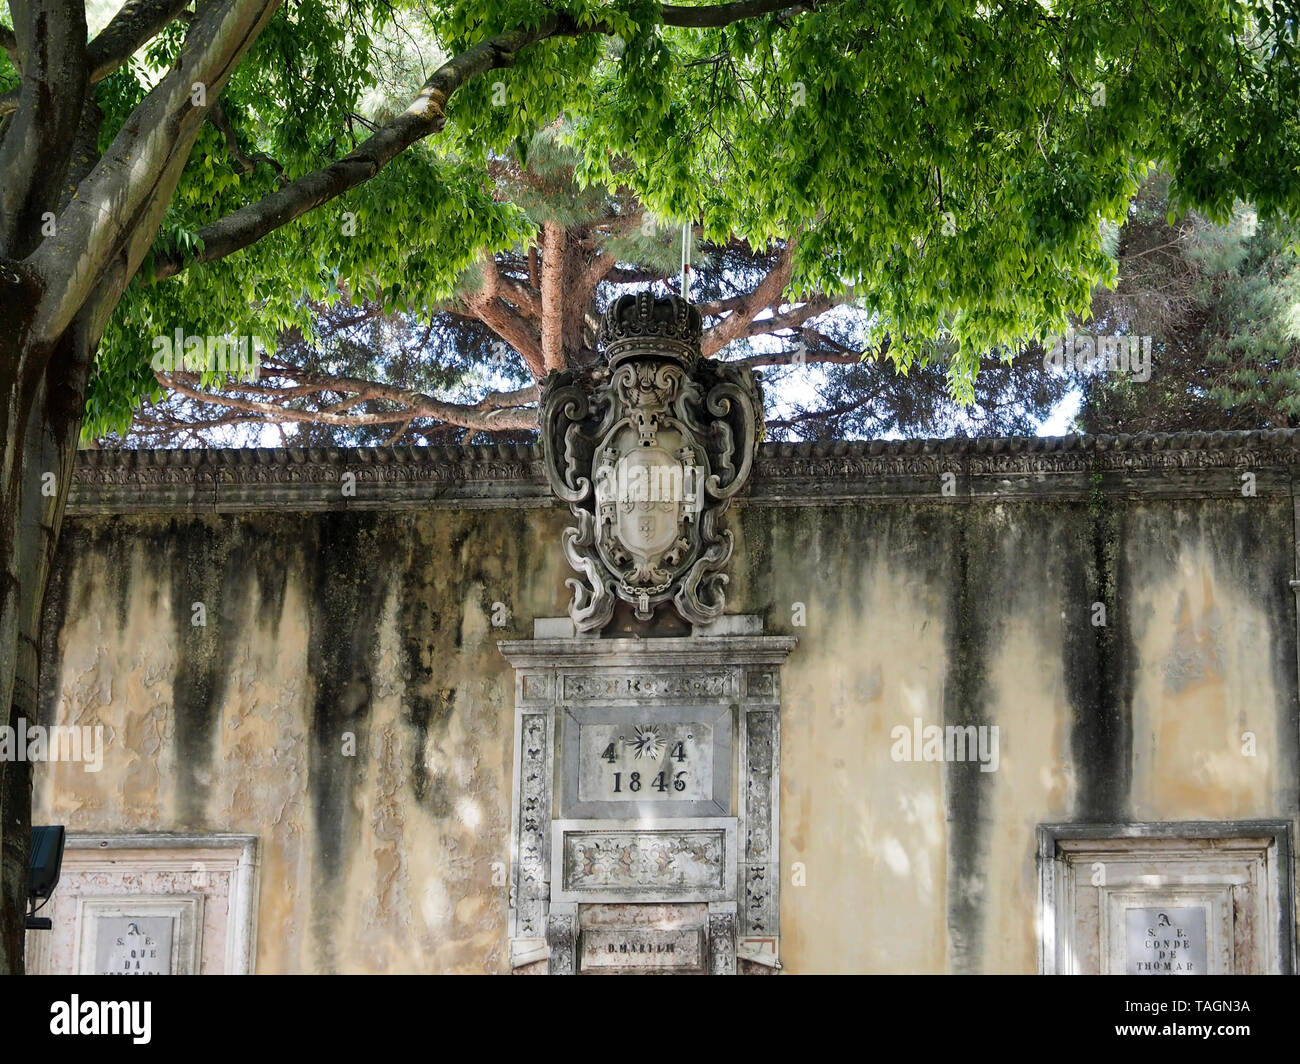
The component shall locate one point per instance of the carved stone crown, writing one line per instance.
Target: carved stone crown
(640, 325)
(648, 457)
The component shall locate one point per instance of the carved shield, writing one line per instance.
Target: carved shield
(648, 454)
(648, 506)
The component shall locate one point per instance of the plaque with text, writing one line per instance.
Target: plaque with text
(134, 945)
(656, 761)
(651, 761)
(643, 948)
(1165, 941)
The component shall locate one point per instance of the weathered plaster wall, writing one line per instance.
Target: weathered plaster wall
(318, 626)
(984, 615)
(379, 623)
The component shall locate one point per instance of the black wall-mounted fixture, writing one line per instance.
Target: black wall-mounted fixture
(43, 873)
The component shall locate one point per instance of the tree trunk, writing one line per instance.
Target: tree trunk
(43, 413)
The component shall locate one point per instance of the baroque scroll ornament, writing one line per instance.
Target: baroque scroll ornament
(648, 453)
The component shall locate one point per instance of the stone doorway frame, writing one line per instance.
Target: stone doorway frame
(726, 665)
(1270, 842)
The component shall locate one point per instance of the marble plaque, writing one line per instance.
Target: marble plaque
(651, 761)
(642, 948)
(134, 945)
(677, 860)
(1165, 941)
(646, 776)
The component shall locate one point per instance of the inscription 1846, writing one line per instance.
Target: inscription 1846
(658, 761)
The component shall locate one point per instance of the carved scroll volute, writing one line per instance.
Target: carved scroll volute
(648, 458)
(564, 408)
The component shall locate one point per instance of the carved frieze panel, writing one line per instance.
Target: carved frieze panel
(635, 686)
(537, 687)
(679, 860)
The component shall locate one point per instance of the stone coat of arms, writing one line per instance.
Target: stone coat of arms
(648, 452)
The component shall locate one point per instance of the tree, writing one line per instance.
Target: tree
(952, 164)
(1220, 306)
(1216, 303)
(369, 375)
(472, 370)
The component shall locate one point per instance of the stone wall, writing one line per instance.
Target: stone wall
(346, 702)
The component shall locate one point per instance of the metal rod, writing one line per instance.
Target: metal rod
(686, 260)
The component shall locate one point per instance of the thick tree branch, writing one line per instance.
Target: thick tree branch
(796, 357)
(792, 317)
(495, 412)
(34, 152)
(137, 23)
(592, 274)
(716, 15)
(504, 320)
(554, 258)
(424, 117)
(528, 301)
(85, 150)
(765, 295)
(119, 206)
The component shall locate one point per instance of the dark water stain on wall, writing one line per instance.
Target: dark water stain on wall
(1255, 552)
(976, 612)
(275, 556)
(195, 552)
(456, 556)
(1098, 558)
(347, 579)
(422, 603)
(65, 574)
(971, 569)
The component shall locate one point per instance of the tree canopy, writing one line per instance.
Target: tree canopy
(956, 165)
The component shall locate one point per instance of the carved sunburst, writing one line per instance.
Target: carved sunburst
(647, 744)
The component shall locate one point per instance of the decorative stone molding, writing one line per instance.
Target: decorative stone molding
(654, 710)
(1221, 894)
(168, 928)
(242, 479)
(1169, 464)
(648, 455)
(722, 943)
(184, 883)
(587, 730)
(627, 861)
(307, 479)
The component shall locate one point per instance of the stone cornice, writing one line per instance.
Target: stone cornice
(1193, 464)
(364, 478)
(234, 480)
